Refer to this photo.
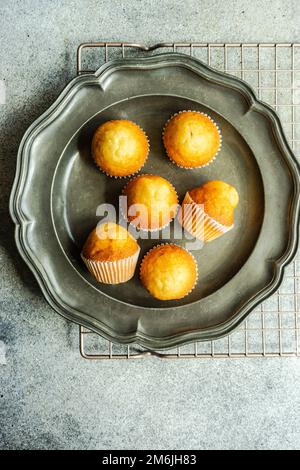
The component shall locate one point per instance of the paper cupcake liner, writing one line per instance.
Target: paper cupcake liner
(113, 272)
(173, 244)
(131, 174)
(213, 158)
(199, 224)
(150, 230)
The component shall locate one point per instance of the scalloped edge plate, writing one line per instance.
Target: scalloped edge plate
(101, 79)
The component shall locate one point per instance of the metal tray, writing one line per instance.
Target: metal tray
(57, 190)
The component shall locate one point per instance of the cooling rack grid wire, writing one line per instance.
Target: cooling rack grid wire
(273, 71)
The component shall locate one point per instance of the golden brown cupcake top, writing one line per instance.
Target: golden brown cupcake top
(109, 242)
(120, 147)
(219, 200)
(191, 139)
(168, 272)
(158, 199)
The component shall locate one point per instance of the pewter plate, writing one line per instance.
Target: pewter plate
(57, 190)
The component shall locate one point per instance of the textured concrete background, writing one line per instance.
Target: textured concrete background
(51, 398)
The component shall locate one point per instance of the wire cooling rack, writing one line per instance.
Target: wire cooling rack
(273, 70)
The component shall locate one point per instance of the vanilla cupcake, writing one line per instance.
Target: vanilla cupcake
(120, 148)
(110, 253)
(207, 212)
(152, 202)
(168, 272)
(191, 139)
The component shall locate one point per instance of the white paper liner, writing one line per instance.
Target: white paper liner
(217, 152)
(199, 224)
(136, 172)
(113, 272)
(151, 230)
(173, 244)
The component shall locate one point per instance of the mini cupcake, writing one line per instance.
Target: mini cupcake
(207, 212)
(110, 253)
(120, 148)
(168, 272)
(152, 202)
(191, 139)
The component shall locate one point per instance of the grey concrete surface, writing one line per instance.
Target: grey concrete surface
(50, 398)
